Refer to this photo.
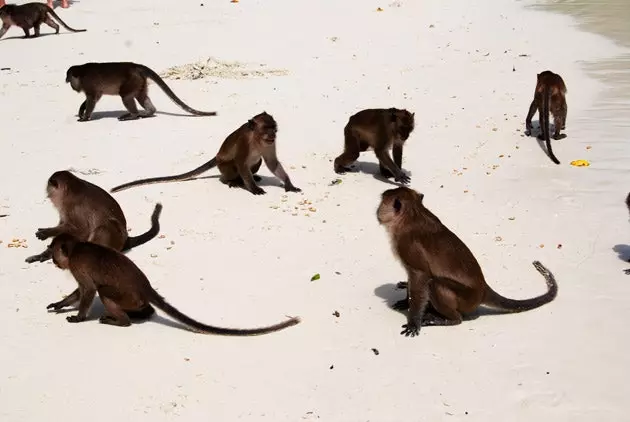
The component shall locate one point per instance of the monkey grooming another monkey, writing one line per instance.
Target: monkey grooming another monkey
(90, 214)
(382, 130)
(239, 158)
(444, 280)
(549, 96)
(123, 288)
(30, 15)
(129, 80)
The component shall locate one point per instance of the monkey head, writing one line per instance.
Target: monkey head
(57, 186)
(398, 204)
(62, 247)
(264, 127)
(404, 121)
(72, 78)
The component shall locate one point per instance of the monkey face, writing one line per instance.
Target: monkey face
(406, 125)
(397, 203)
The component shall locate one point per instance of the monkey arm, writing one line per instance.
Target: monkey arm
(272, 163)
(45, 233)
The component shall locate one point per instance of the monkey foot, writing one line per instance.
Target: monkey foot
(292, 189)
(75, 318)
(128, 116)
(401, 305)
(410, 330)
(110, 320)
(627, 271)
(257, 190)
(342, 170)
(55, 306)
(404, 179)
(401, 285)
(558, 137)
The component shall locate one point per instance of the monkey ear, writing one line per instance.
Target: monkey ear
(397, 205)
(421, 195)
(251, 124)
(53, 182)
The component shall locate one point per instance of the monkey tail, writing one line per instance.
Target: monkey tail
(52, 12)
(158, 80)
(183, 176)
(495, 300)
(160, 303)
(628, 201)
(132, 242)
(544, 123)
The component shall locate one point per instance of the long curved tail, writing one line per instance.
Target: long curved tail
(170, 310)
(52, 12)
(168, 91)
(178, 177)
(544, 122)
(495, 300)
(132, 242)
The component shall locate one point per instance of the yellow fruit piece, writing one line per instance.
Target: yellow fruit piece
(580, 163)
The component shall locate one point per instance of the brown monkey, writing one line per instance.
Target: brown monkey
(549, 96)
(442, 272)
(129, 80)
(90, 214)
(382, 130)
(627, 271)
(123, 288)
(30, 15)
(239, 158)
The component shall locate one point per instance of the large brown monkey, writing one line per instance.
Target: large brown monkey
(444, 278)
(129, 80)
(123, 288)
(549, 96)
(30, 15)
(90, 214)
(239, 158)
(382, 130)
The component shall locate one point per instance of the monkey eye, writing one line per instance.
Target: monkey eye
(397, 205)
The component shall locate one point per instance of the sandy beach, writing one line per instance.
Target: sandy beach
(229, 258)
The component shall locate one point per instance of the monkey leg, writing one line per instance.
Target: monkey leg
(385, 160)
(36, 30)
(145, 102)
(559, 117)
(530, 114)
(87, 108)
(397, 151)
(27, 33)
(42, 257)
(129, 102)
(350, 154)
(116, 316)
(67, 301)
(4, 30)
(87, 296)
(255, 169)
(418, 289)
(274, 165)
(141, 314)
(248, 180)
(52, 24)
(444, 301)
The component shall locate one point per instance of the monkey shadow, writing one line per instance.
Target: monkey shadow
(57, 3)
(374, 169)
(45, 34)
(97, 115)
(97, 309)
(623, 252)
(264, 180)
(391, 294)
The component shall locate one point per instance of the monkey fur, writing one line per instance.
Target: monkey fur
(90, 214)
(444, 280)
(129, 80)
(30, 15)
(549, 96)
(382, 130)
(123, 288)
(239, 158)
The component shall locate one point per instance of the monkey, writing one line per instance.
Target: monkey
(30, 15)
(129, 80)
(444, 280)
(90, 214)
(627, 271)
(549, 96)
(239, 158)
(123, 288)
(382, 130)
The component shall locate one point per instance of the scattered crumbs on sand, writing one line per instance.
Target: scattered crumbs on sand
(17, 243)
(304, 206)
(212, 67)
(85, 172)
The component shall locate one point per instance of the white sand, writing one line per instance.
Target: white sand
(238, 261)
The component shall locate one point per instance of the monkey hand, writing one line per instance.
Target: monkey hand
(55, 306)
(75, 318)
(410, 329)
(528, 132)
(257, 190)
(403, 178)
(42, 234)
(291, 188)
(627, 271)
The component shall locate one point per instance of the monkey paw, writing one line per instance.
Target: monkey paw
(410, 330)
(257, 190)
(292, 189)
(75, 318)
(342, 170)
(627, 271)
(559, 136)
(401, 305)
(401, 285)
(403, 178)
(42, 234)
(54, 306)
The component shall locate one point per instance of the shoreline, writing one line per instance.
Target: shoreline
(468, 70)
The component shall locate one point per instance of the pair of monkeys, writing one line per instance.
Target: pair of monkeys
(444, 280)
